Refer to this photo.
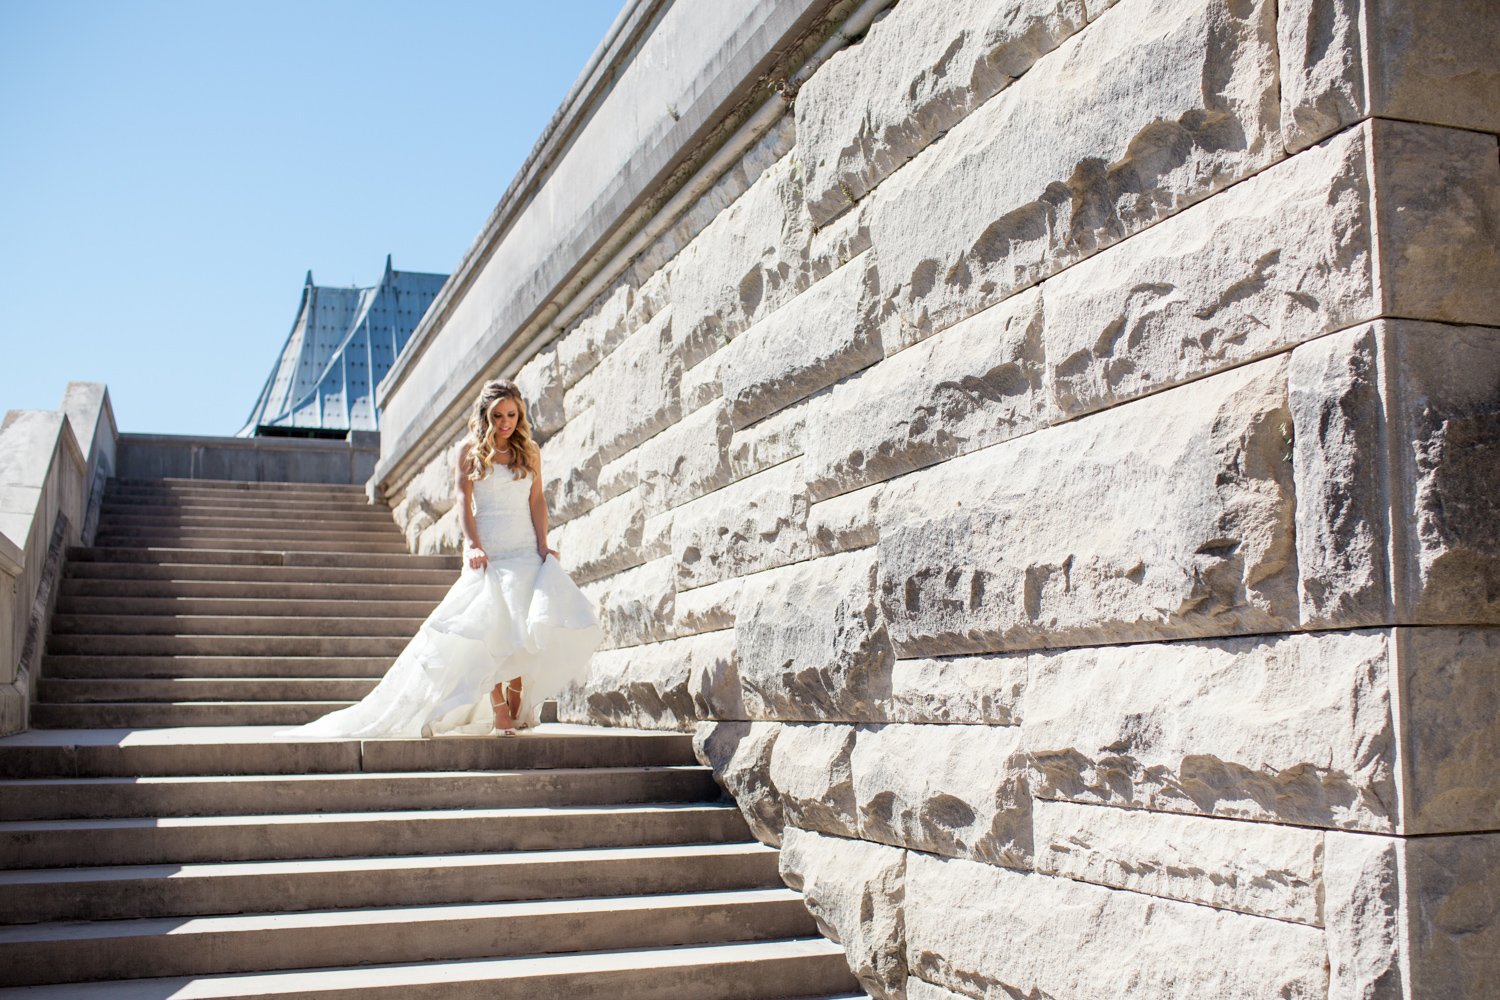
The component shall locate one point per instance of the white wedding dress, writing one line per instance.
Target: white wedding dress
(522, 617)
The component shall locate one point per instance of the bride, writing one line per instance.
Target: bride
(514, 630)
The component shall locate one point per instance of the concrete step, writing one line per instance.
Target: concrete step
(245, 573)
(242, 607)
(256, 557)
(123, 892)
(233, 505)
(249, 750)
(76, 843)
(429, 594)
(240, 515)
(121, 487)
(241, 625)
(227, 795)
(219, 539)
(72, 952)
(275, 529)
(218, 689)
(752, 970)
(156, 714)
(225, 645)
(176, 667)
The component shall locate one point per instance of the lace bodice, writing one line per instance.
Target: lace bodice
(502, 512)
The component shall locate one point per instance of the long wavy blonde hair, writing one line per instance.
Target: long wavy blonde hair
(525, 456)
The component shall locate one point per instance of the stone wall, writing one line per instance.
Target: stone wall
(1056, 480)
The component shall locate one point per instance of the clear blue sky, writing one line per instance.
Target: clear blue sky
(170, 171)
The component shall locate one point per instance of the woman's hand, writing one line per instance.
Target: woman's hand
(544, 552)
(477, 558)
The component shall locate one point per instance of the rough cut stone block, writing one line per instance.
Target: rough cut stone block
(1260, 868)
(636, 605)
(739, 753)
(812, 644)
(656, 540)
(1334, 392)
(633, 393)
(571, 462)
(1292, 729)
(976, 690)
(619, 476)
(854, 890)
(582, 348)
(959, 791)
(810, 769)
(1419, 911)
(976, 384)
(541, 383)
(1167, 517)
(918, 72)
(1443, 419)
(776, 439)
(656, 686)
(1450, 701)
(1439, 222)
(1159, 105)
(849, 521)
(829, 331)
(443, 537)
(686, 460)
(1342, 60)
(1281, 258)
(713, 674)
(606, 540)
(707, 609)
(994, 933)
(921, 989)
(754, 524)
(701, 385)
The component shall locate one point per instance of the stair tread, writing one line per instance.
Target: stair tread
(524, 971)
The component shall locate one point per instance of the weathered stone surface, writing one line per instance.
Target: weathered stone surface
(1450, 701)
(701, 385)
(974, 690)
(1419, 911)
(740, 755)
(849, 521)
(1291, 729)
(633, 392)
(754, 524)
(921, 989)
(542, 387)
(1281, 258)
(976, 384)
(1260, 868)
(996, 933)
(656, 540)
(713, 674)
(444, 537)
(810, 769)
(1165, 103)
(812, 645)
(581, 349)
(603, 541)
(619, 476)
(653, 686)
(1170, 516)
(745, 264)
(829, 331)
(854, 890)
(1431, 62)
(1439, 222)
(1444, 425)
(776, 439)
(918, 72)
(571, 462)
(686, 460)
(428, 496)
(1333, 388)
(636, 605)
(708, 609)
(953, 790)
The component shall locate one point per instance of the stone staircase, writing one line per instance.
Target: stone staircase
(159, 839)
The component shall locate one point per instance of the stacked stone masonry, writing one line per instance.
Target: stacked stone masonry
(1060, 487)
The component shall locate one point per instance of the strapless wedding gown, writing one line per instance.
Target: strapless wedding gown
(521, 617)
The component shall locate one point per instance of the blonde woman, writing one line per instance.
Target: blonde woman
(514, 630)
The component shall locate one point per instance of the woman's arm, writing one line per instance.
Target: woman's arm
(465, 487)
(539, 518)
